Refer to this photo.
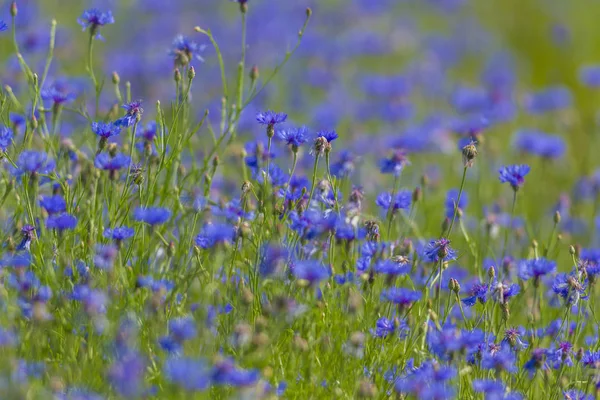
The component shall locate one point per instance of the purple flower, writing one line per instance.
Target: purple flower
(6, 136)
(402, 201)
(225, 372)
(393, 267)
(330, 136)
(514, 174)
(384, 328)
(94, 19)
(105, 130)
(536, 362)
(311, 271)
(105, 256)
(569, 287)
(479, 291)
(61, 222)
(439, 249)
(152, 215)
(106, 162)
(33, 162)
(59, 94)
(513, 337)
(133, 111)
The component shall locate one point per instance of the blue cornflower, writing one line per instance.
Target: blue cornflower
(106, 162)
(119, 234)
(535, 268)
(569, 287)
(311, 271)
(184, 50)
(3, 26)
(512, 337)
(6, 136)
(270, 118)
(384, 327)
(536, 362)
(32, 162)
(451, 198)
(105, 256)
(402, 297)
(28, 233)
(94, 19)
(61, 222)
(152, 215)
(393, 267)
(225, 372)
(394, 164)
(344, 165)
(401, 202)
(53, 204)
(190, 374)
(551, 99)
(180, 330)
(500, 359)
(126, 375)
(575, 394)
(561, 355)
(105, 130)
(503, 292)
(133, 111)
(439, 249)
(590, 75)
(273, 261)
(233, 211)
(494, 390)
(479, 291)
(514, 174)
(539, 144)
(330, 136)
(215, 233)
(591, 359)
(59, 94)
(294, 137)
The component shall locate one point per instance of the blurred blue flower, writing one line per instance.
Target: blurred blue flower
(514, 174)
(152, 215)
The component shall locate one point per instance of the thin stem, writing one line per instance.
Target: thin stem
(462, 185)
(510, 222)
(314, 178)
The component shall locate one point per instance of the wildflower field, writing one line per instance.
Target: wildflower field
(307, 199)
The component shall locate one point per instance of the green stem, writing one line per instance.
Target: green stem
(462, 185)
(314, 178)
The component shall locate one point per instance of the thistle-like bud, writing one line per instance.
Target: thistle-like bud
(191, 73)
(469, 153)
(215, 162)
(246, 187)
(112, 149)
(557, 217)
(177, 75)
(13, 9)
(320, 145)
(572, 250)
(454, 285)
(254, 73)
(417, 194)
(491, 272)
(308, 12)
(116, 79)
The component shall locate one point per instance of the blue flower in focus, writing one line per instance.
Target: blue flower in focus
(535, 268)
(133, 111)
(270, 118)
(451, 198)
(514, 174)
(539, 144)
(311, 271)
(215, 233)
(569, 287)
(293, 137)
(105, 130)
(188, 373)
(479, 291)
(6, 136)
(384, 328)
(94, 19)
(330, 136)
(438, 249)
(513, 337)
(184, 50)
(152, 215)
(61, 222)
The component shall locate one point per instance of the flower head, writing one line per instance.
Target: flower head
(106, 162)
(514, 174)
(6, 136)
(539, 144)
(105, 130)
(478, 292)
(213, 234)
(118, 234)
(184, 50)
(94, 19)
(53, 204)
(152, 215)
(311, 271)
(61, 222)
(439, 249)
(402, 201)
(535, 268)
(133, 111)
(395, 163)
(402, 297)
(293, 137)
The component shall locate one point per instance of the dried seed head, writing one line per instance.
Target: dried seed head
(469, 153)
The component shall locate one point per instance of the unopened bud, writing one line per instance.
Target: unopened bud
(572, 250)
(13, 9)
(308, 12)
(215, 161)
(116, 79)
(534, 244)
(454, 285)
(417, 194)
(254, 73)
(557, 217)
(191, 73)
(469, 152)
(177, 75)
(491, 272)
(320, 145)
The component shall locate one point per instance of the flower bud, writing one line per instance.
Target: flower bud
(469, 152)
(491, 272)
(454, 285)
(191, 73)
(320, 145)
(177, 75)
(116, 79)
(254, 73)
(13, 9)
(557, 217)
